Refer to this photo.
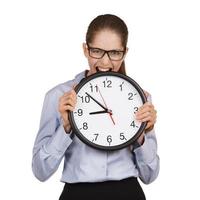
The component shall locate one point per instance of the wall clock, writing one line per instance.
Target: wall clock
(104, 115)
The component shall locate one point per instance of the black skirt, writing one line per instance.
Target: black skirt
(129, 189)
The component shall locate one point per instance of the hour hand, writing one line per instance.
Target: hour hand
(99, 112)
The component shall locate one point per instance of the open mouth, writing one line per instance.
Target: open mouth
(99, 69)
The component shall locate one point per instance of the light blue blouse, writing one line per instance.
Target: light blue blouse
(83, 163)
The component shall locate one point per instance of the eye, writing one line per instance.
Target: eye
(115, 53)
(96, 51)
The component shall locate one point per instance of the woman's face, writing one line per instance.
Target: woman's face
(104, 40)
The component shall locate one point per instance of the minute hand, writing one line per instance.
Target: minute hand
(96, 101)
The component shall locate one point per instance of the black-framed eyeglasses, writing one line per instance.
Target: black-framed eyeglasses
(98, 53)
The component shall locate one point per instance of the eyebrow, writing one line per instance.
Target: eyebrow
(105, 49)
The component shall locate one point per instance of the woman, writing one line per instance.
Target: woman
(91, 173)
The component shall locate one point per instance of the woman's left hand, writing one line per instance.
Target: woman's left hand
(147, 113)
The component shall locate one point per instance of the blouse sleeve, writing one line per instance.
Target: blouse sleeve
(147, 160)
(51, 141)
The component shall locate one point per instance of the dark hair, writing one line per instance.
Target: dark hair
(111, 22)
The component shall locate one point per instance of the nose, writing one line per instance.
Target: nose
(105, 59)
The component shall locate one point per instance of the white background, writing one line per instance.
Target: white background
(41, 46)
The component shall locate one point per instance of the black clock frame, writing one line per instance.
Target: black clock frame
(77, 132)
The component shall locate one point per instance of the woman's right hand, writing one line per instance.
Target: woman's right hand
(67, 103)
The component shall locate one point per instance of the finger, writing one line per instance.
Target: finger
(70, 102)
(147, 116)
(143, 115)
(146, 105)
(151, 121)
(68, 96)
(64, 108)
(145, 110)
(71, 92)
(67, 101)
(68, 108)
(149, 124)
(145, 119)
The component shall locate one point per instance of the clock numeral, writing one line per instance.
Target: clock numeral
(93, 88)
(85, 99)
(133, 124)
(107, 83)
(85, 126)
(121, 86)
(130, 96)
(109, 139)
(80, 112)
(96, 136)
(122, 137)
(135, 109)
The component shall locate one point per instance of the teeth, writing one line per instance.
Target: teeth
(103, 69)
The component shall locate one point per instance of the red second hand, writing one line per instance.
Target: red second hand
(112, 118)
(109, 112)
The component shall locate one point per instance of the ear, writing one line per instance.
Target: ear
(85, 50)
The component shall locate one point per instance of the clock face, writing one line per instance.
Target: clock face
(104, 115)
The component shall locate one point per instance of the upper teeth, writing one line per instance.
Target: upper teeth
(103, 69)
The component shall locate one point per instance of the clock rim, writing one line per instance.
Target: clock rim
(77, 132)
